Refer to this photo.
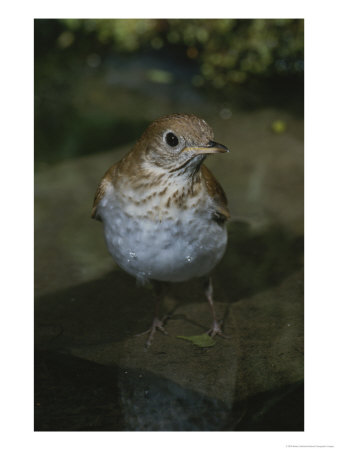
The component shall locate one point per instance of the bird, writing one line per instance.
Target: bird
(164, 213)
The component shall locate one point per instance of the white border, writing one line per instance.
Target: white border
(17, 221)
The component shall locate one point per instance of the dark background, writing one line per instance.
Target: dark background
(92, 77)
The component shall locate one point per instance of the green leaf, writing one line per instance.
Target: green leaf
(201, 340)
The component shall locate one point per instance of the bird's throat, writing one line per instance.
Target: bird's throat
(164, 194)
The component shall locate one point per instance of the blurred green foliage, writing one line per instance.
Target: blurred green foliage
(96, 78)
(226, 50)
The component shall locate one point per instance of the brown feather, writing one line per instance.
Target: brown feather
(101, 189)
(215, 190)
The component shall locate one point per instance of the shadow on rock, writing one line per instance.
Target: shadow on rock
(77, 395)
(101, 315)
(105, 310)
(113, 308)
(275, 410)
(257, 260)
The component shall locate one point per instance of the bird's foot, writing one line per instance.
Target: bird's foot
(217, 330)
(156, 325)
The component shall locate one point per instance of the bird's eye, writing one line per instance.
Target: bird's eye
(171, 139)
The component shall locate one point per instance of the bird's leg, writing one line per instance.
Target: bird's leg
(216, 326)
(158, 324)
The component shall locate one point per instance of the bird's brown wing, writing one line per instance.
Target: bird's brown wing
(215, 190)
(101, 189)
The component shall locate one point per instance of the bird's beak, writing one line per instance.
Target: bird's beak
(212, 147)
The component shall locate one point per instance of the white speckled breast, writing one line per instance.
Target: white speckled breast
(173, 247)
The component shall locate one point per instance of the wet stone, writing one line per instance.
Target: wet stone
(88, 311)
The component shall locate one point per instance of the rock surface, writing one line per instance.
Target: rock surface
(92, 372)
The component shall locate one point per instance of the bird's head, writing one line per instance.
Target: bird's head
(178, 143)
